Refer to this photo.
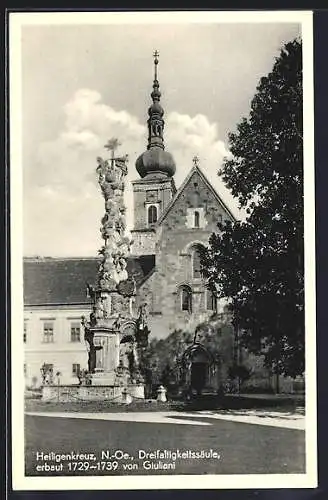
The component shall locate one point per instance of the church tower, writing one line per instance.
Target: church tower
(156, 167)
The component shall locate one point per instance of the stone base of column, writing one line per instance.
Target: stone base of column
(103, 378)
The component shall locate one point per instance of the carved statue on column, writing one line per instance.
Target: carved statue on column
(111, 174)
(142, 327)
(92, 350)
(114, 289)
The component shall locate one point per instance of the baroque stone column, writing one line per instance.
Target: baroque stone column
(114, 290)
(110, 296)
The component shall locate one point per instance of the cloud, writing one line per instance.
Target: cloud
(62, 201)
(86, 112)
(187, 137)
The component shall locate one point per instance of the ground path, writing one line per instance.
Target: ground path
(246, 441)
(198, 418)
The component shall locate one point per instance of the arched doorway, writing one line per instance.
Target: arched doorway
(199, 372)
(197, 361)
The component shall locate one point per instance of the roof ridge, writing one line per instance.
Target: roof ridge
(194, 169)
(177, 194)
(62, 280)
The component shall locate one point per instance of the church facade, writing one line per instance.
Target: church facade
(174, 230)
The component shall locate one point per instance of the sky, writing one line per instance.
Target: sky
(83, 84)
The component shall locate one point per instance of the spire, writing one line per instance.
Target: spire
(155, 56)
(156, 112)
(155, 162)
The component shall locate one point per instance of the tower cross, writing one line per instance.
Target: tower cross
(156, 56)
(195, 160)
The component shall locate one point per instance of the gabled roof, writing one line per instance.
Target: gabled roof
(63, 280)
(182, 187)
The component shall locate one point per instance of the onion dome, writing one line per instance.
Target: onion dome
(155, 162)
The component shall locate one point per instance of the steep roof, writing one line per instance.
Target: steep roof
(63, 280)
(182, 187)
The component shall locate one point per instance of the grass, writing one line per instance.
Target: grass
(282, 403)
(100, 406)
(244, 448)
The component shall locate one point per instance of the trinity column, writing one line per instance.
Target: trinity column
(112, 295)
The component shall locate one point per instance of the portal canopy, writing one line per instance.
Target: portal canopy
(198, 353)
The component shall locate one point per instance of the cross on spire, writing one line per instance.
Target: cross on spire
(196, 161)
(156, 56)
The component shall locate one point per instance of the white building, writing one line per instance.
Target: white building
(55, 299)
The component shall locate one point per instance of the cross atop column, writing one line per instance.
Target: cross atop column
(196, 161)
(112, 145)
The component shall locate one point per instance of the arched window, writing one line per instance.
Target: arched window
(196, 219)
(152, 214)
(211, 301)
(196, 267)
(186, 298)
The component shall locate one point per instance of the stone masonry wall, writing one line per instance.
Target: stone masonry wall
(174, 261)
(162, 194)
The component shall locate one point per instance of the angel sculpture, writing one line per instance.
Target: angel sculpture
(101, 169)
(92, 351)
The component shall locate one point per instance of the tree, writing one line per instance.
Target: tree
(258, 262)
(166, 353)
(240, 373)
(165, 356)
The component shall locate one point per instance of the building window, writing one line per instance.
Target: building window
(76, 369)
(211, 301)
(196, 219)
(75, 332)
(48, 332)
(25, 332)
(186, 298)
(152, 214)
(196, 258)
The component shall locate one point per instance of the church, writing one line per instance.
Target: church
(170, 227)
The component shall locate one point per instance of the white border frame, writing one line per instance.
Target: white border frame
(20, 481)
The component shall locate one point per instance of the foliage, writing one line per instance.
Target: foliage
(216, 335)
(164, 356)
(258, 263)
(240, 373)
